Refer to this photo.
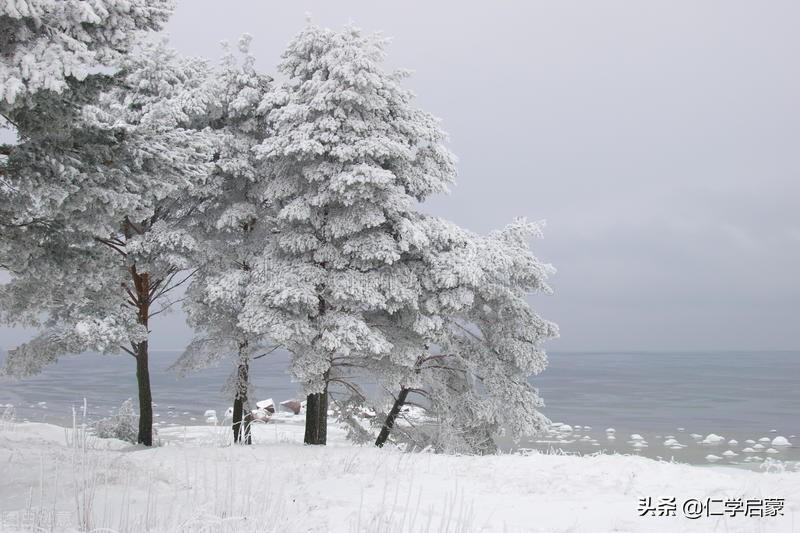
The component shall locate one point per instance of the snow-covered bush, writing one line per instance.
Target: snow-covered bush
(123, 425)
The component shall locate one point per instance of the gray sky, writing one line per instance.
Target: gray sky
(659, 140)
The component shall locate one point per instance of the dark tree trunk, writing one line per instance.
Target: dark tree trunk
(241, 422)
(145, 396)
(388, 424)
(141, 284)
(317, 418)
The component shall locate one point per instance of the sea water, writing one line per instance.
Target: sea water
(737, 395)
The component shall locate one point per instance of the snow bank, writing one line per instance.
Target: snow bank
(196, 481)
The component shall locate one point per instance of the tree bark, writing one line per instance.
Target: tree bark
(141, 284)
(317, 418)
(241, 422)
(388, 424)
(145, 396)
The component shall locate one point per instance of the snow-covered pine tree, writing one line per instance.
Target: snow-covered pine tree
(347, 157)
(479, 340)
(112, 193)
(47, 44)
(48, 47)
(230, 228)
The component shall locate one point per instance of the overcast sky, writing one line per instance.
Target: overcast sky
(660, 141)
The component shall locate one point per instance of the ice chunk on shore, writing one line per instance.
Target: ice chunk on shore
(750, 442)
(713, 440)
(733, 442)
(780, 441)
(759, 447)
(636, 436)
(711, 458)
(764, 440)
(671, 442)
(748, 450)
(729, 453)
(696, 436)
(772, 450)
(611, 430)
(210, 412)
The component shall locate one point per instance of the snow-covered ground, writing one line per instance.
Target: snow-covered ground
(56, 480)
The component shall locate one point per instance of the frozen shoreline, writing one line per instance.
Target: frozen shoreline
(196, 481)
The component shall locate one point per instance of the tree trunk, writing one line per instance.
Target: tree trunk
(241, 422)
(141, 284)
(317, 418)
(388, 424)
(145, 396)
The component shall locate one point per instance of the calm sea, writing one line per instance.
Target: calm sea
(739, 395)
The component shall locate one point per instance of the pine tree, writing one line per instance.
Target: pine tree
(477, 337)
(112, 191)
(47, 44)
(230, 230)
(346, 159)
(51, 54)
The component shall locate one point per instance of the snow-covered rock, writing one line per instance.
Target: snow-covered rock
(729, 453)
(772, 450)
(261, 415)
(733, 442)
(266, 405)
(711, 458)
(636, 436)
(781, 441)
(292, 406)
(748, 450)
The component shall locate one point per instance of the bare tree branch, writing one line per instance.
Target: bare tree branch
(113, 245)
(124, 349)
(268, 352)
(349, 386)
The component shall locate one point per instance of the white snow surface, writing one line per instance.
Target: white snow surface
(187, 484)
